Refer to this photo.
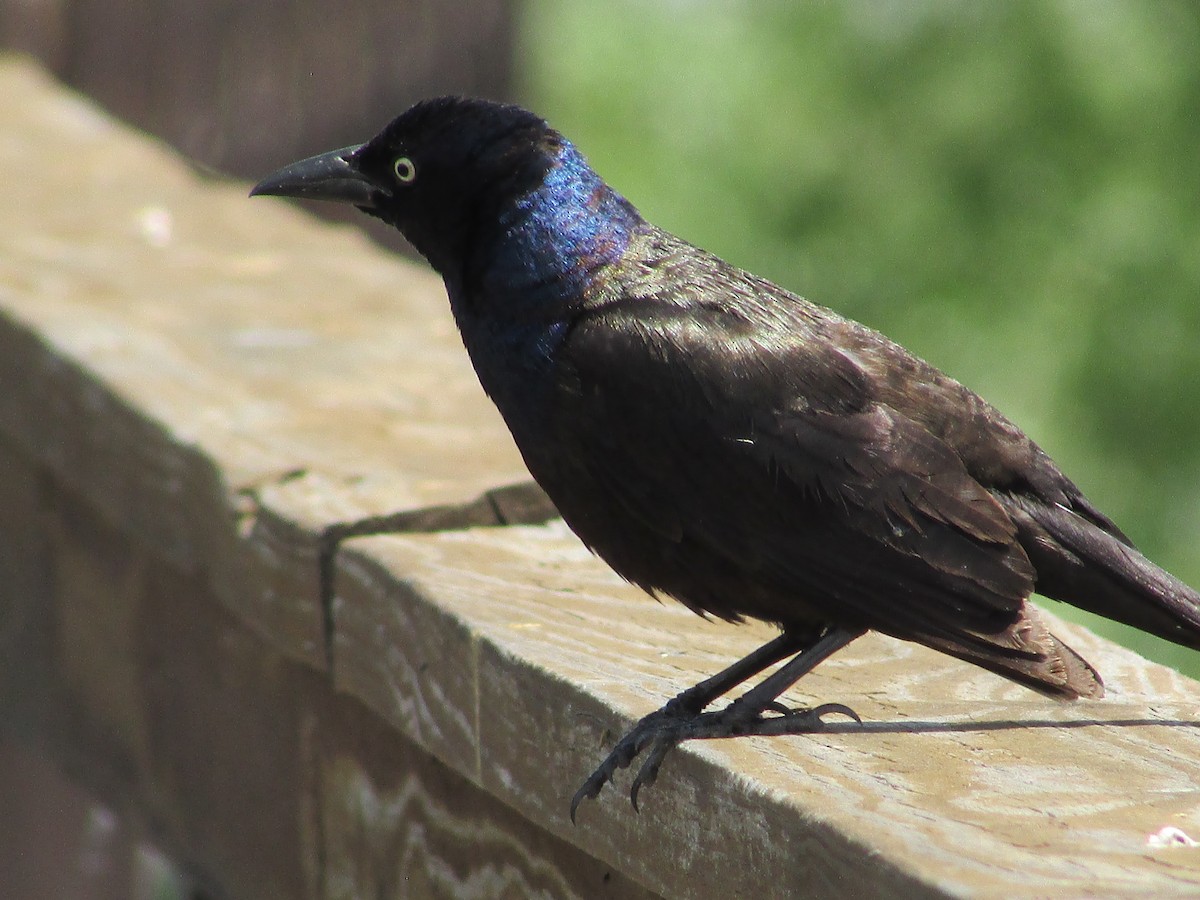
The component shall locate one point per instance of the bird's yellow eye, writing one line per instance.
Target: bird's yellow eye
(406, 171)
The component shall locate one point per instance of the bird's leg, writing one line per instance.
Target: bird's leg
(744, 716)
(684, 707)
(683, 718)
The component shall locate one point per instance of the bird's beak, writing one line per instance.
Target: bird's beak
(330, 176)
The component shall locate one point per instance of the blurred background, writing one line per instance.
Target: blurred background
(1012, 190)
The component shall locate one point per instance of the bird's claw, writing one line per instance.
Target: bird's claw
(625, 752)
(826, 709)
(647, 774)
(814, 714)
(665, 729)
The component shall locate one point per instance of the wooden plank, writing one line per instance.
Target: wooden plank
(397, 823)
(249, 769)
(153, 313)
(517, 641)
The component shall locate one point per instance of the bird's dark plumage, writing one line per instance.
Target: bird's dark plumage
(718, 439)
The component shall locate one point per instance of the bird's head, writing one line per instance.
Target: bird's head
(449, 174)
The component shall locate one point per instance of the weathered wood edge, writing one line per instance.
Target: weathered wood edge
(520, 658)
(155, 321)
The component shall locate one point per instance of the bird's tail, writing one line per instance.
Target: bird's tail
(1029, 654)
(1083, 565)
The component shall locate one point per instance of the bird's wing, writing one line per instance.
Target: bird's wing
(778, 455)
(766, 476)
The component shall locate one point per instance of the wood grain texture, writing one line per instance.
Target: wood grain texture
(398, 823)
(247, 768)
(182, 350)
(958, 780)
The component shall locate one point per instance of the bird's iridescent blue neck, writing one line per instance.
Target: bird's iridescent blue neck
(554, 242)
(531, 273)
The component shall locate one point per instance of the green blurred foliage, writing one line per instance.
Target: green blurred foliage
(1012, 190)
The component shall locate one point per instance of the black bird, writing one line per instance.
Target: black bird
(723, 441)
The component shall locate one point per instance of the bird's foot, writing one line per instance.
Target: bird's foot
(646, 731)
(661, 731)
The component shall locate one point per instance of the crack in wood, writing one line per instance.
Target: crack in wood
(524, 503)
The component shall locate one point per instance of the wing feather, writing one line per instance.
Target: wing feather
(781, 461)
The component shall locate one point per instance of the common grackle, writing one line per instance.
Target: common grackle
(720, 440)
